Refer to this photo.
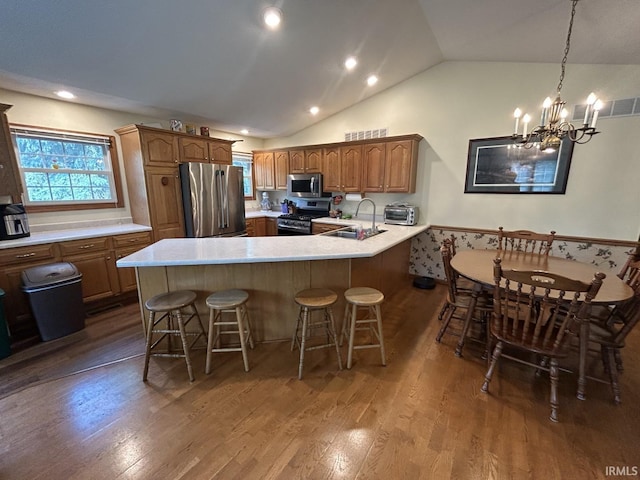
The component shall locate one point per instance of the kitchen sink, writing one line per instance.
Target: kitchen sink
(352, 232)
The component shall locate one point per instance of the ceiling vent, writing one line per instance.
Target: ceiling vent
(365, 134)
(614, 108)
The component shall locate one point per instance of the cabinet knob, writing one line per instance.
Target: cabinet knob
(164, 181)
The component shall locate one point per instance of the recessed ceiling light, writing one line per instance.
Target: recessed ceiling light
(65, 94)
(272, 17)
(244, 131)
(350, 63)
(314, 110)
(372, 80)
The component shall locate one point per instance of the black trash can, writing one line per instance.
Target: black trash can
(55, 296)
(5, 344)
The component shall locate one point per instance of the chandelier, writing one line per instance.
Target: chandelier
(554, 126)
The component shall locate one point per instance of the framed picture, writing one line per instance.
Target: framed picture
(499, 165)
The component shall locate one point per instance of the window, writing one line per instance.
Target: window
(245, 160)
(61, 169)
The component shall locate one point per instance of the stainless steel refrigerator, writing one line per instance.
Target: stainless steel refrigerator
(213, 200)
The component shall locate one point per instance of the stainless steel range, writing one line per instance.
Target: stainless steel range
(299, 223)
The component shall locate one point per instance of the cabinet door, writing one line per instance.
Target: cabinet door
(97, 274)
(159, 149)
(399, 167)
(268, 172)
(251, 227)
(260, 227)
(296, 161)
(220, 153)
(193, 150)
(22, 325)
(351, 168)
(374, 155)
(258, 170)
(281, 166)
(10, 182)
(271, 227)
(331, 170)
(313, 160)
(165, 203)
(126, 276)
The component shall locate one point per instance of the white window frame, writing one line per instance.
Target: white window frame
(248, 158)
(81, 138)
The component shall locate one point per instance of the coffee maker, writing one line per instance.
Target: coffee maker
(13, 221)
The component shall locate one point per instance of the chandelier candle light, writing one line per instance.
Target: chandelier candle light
(553, 121)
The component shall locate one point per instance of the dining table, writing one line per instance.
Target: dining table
(477, 266)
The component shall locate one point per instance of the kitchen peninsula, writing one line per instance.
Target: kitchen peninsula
(273, 269)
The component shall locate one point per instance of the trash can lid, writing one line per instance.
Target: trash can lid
(49, 274)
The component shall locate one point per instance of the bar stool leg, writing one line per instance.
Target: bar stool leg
(207, 367)
(243, 340)
(185, 343)
(305, 320)
(147, 353)
(332, 327)
(345, 324)
(380, 335)
(352, 333)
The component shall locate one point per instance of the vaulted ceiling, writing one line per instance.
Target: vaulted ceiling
(213, 61)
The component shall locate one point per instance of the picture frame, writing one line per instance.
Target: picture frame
(501, 165)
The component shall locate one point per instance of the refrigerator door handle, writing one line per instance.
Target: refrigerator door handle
(225, 194)
(219, 213)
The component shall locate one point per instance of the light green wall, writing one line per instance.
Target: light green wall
(457, 101)
(448, 105)
(45, 112)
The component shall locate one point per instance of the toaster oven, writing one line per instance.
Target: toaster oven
(401, 214)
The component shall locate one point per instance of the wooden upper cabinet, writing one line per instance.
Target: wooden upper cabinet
(194, 150)
(220, 152)
(313, 160)
(296, 161)
(263, 163)
(305, 161)
(204, 150)
(331, 179)
(400, 166)
(159, 149)
(10, 183)
(281, 164)
(374, 155)
(351, 168)
(342, 169)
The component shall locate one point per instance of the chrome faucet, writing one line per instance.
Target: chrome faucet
(373, 220)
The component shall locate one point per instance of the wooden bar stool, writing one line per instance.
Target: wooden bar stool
(170, 305)
(359, 298)
(310, 300)
(228, 301)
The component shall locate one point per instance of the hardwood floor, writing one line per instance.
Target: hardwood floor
(422, 416)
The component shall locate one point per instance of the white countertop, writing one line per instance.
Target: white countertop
(262, 213)
(203, 251)
(52, 236)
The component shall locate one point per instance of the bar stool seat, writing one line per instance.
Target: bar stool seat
(228, 301)
(170, 305)
(359, 298)
(315, 299)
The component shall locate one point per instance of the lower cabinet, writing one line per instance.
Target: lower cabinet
(317, 228)
(95, 258)
(262, 227)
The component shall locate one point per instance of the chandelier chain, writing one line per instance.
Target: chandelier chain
(567, 45)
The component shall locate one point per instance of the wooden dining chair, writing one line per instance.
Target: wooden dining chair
(459, 301)
(526, 317)
(610, 332)
(462, 285)
(525, 241)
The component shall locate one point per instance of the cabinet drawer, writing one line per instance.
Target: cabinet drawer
(131, 239)
(26, 254)
(84, 246)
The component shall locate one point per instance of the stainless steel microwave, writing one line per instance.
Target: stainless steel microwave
(401, 214)
(304, 185)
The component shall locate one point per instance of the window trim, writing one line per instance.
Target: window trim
(115, 168)
(249, 157)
